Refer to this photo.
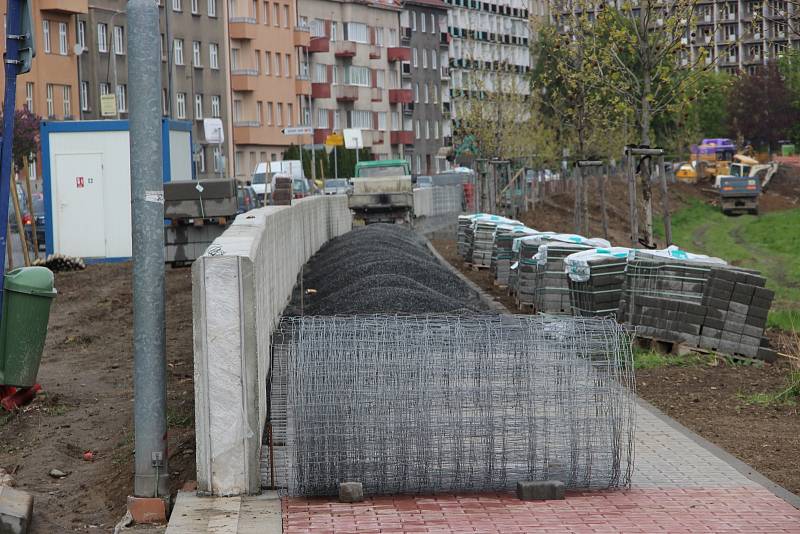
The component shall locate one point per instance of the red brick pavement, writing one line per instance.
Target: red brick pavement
(743, 510)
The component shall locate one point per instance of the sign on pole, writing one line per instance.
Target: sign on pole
(353, 138)
(334, 139)
(108, 105)
(298, 130)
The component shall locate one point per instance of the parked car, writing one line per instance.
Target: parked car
(338, 186)
(424, 181)
(247, 198)
(38, 214)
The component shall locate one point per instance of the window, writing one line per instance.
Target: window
(164, 101)
(212, 8)
(216, 102)
(219, 160)
(277, 64)
(276, 16)
(320, 73)
(266, 13)
(66, 92)
(361, 119)
(177, 47)
(380, 81)
(322, 118)
(198, 107)
(176, 5)
(427, 129)
(213, 55)
(119, 40)
(279, 115)
(62, 38)
(379, 36)
(196, 55)
(285, 15)
(416, 93)
(392, 37)
(104, 88)
(436, 129)
(357, 32)
(269, 113)
(425, 92)
(84, 96)
(122, 98)
(50, 108)
(32, 165)
(180, 105)
(413, 57)
(267, 61)
(422, 22)
(419, 163)
(289, 114)
(395, 120)
(433, 23)
(424, 58)
(287, 61)
(200, 162)
(334, 31)
(260, 112)
(29, 96)
(416, 129)
(414, 21)
(82, 33)
(381, 120)
(337, 120)
(46, 35)
(358, 76)
(433, 59)
(195, 7)
(435, 94)
(316, 28)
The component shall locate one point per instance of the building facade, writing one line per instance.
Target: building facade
(423, 26)
(355, 66)
(194, 77)
(269, 80)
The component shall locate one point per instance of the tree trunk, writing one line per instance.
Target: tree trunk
(603, 210)
(647, 195)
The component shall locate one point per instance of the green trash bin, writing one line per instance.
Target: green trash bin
(26, 310)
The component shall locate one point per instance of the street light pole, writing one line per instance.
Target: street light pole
(147, 195)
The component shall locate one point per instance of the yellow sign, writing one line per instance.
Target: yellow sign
(108, 105)
(334, 139)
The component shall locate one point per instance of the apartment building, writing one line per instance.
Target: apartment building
(742, 35)
(270, 85)
(194, 73)
(355, 66)
(489, 46)
(423, 28)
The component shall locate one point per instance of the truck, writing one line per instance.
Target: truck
(739, 190)
(382, 192)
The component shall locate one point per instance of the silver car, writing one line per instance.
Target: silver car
(338, 186)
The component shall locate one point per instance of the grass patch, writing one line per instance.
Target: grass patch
(786, 396)
(650, 359)
(179, 418)
(769, 243)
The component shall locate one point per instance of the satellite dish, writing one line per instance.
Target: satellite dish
(78, 49)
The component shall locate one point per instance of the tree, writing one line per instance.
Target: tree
(26, 137)
(761, 109)
(708, 110)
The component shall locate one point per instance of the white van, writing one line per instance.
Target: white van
(262, 183)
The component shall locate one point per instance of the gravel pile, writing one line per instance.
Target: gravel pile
(381, 268)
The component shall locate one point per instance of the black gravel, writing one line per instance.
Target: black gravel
(377, 269)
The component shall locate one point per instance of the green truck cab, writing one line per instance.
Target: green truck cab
(382, 192)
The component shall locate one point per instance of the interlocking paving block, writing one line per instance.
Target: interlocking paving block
(540, 490)
(16, 510)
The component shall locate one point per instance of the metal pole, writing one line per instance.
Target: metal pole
(13, 30)
(147, 194)
(665, 201)
(335, 162)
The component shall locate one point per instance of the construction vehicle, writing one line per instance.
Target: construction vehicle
(712, 157)
(739, 190)
(382, 192)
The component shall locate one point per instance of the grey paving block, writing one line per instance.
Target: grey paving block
(738, 307)
(16, 511)
(540, 490)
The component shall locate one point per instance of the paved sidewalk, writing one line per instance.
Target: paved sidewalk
(680, 484)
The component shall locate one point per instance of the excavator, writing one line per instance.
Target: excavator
(739, 190)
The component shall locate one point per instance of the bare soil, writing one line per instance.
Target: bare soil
(87, 402)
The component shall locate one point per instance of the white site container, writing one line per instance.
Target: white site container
(87, 184)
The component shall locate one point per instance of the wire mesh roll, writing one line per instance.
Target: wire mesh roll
(425, 404)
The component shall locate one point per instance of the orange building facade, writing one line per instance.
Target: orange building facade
(269, 80)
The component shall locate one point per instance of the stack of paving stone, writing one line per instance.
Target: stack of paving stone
(666, 319)
(482, 242)
(525, 270)
(596, 279)
(737, 304)
(552, 293)
(464, 227)
(502, 251)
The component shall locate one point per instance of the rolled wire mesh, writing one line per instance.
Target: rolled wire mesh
(422, 404)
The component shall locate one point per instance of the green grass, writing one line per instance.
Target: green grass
(769, 243)
(650, 359)
(785, 396)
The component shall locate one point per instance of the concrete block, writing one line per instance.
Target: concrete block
(718, 303)
(738, 307)
(766, 354)
(757, 311)
(747, 350)
(752, 331)
(351, 492)
(763, 293)
(540, 490)
(16, 511)
(708, 342)
(147, 510)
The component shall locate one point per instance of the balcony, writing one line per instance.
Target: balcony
(398, 53)
(244, 79)
(302, 37)
(400, 96)
(445, 72)
(346, 93)
(374, 52)
(378, 137)
(344, 49)
(302, 86)
(401, 138)
(320, 90)
(320, 134)
(376, 94)
(243, 28)
(319, 44)
(67, 7)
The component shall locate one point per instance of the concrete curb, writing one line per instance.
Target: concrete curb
(726, 457)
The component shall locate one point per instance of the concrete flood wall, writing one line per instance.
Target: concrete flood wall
(438, 200)
(240, 287)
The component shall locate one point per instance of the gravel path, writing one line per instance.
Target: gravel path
(380, 268)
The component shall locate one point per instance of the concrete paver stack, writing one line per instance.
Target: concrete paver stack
(596, 280)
